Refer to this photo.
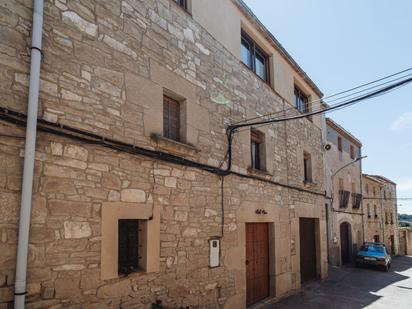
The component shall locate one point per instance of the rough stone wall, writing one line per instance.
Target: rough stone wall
(100, 57)
(389, 206)
(372, 224)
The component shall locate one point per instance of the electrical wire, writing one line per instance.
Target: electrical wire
(19, 119)
(346, 103)
(323, 100)
(335, 107)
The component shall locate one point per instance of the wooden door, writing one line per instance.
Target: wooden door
(392, 245)
(307, 234)
(257, 262)
(344, 243)
(402, 243)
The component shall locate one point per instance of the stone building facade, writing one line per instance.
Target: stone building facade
(345, 222)
(107, 68)
(380, 216)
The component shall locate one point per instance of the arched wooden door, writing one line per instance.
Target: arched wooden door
(345, 243)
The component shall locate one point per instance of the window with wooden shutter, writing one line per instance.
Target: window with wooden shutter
(307, 167)
(340, 144)
(352, 152)
(182, 3)
(171, 118)
(255, 144)
(257, 150)
(128, 244)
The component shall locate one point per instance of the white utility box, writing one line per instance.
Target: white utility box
(214, 252)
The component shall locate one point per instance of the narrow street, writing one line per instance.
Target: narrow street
(350, 287)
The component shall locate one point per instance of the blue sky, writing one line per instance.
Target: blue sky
(341, 44)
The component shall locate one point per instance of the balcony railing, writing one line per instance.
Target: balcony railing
(356, 200)
(343, 198)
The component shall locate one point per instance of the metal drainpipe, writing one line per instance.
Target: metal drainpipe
(29, 156)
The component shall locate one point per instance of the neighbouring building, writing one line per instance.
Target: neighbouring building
(405, 241)
(131, 202)
(344, 185)
(381, 216)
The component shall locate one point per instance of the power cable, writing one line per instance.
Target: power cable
(336, 94)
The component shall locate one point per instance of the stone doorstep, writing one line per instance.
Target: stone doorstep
(273, 300)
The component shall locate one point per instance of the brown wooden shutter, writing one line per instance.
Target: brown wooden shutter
(171, 118)
(255, 142)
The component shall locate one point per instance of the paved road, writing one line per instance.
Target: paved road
(353, 288)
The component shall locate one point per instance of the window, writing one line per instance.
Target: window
(254, 57)
(352, 152)
(369, 210)
(256, 148)
(301, 101)
(307, 167)
(343, 198)
(182, 3)
(367, 189)
(391, 218)
(340, 143)
(376, 238)
(171, 118)
(386, 218)
(375, 211)
(130, 239)
(374, 191)
(128, 244)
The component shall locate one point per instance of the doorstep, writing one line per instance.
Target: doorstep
(273, 300)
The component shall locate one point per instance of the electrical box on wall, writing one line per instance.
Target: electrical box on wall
(214, 252)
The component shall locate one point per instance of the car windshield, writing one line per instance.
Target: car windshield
(372, 249)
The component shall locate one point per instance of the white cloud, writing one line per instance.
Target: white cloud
(403, 122)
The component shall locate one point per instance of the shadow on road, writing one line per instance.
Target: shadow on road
(350, 287)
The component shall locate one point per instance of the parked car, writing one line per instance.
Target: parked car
(375, 254)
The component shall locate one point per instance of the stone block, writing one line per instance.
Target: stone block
(111, 181)
(76, 152)
(67, 287)
(65, 186)
(77, 229)
(40, 235)
(133, 196)
(6, 294)
(69, 208)
(119, 289)
(47, 293)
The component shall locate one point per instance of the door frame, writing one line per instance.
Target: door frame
(271, 257)
(318, 265)
(349, 238)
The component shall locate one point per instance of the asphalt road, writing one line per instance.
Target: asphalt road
(351, 288)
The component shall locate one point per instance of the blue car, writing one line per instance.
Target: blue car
(375, 254)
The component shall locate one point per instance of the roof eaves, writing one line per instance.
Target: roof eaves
(249, 13)
(344, 131)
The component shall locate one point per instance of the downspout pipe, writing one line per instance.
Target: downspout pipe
(29, 156)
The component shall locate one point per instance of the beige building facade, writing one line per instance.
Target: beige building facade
(131, 158)
(381, 218)
(344, 176)
(405, 241)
